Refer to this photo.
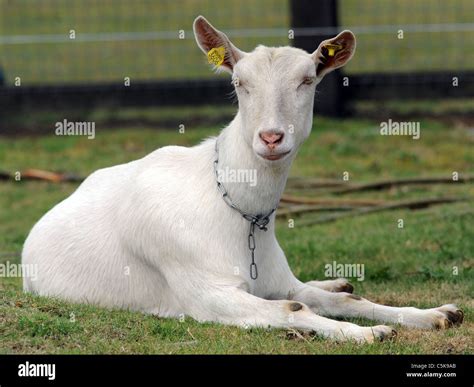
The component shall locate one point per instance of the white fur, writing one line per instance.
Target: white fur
(155, 235)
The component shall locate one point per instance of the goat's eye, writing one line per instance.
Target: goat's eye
(236, 82)
(307, 81)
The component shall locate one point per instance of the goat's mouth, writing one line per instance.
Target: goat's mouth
(274, 156)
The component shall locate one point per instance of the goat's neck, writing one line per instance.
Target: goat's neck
(236, 154)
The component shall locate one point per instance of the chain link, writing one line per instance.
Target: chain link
(260, 221)
(253, 265)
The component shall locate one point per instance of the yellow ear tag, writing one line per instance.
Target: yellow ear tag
(332, 48)
(216, 56)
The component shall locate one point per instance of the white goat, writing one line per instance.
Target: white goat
(157, 235)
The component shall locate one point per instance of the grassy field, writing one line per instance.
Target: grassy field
(76, 61)
(409, 266)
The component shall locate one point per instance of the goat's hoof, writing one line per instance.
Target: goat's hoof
(347, 288)
(342, 286)
(365, 335)
(387, 334)
(379, 333)
(450, 317)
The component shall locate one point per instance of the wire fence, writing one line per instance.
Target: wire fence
(113, 39)
(93, 41)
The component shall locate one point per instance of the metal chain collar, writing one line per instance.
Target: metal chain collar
(260, 220)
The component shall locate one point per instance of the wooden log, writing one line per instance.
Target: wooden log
(412, 204)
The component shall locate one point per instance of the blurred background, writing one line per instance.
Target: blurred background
(58, 54)
(133, 69)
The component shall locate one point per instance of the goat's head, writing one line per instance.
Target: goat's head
(275, 87)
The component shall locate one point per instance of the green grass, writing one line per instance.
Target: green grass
(409, 266)
(75, 61)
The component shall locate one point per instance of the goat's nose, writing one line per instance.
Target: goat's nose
(271, 138)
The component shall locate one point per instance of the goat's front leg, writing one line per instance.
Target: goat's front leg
(328, 303)
(234, 306)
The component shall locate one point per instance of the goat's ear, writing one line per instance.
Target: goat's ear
(208, 38)
(334, 53)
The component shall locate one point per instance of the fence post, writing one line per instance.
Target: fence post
(329, 100)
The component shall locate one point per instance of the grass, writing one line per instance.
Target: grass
(75, 61)
(409, 266)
